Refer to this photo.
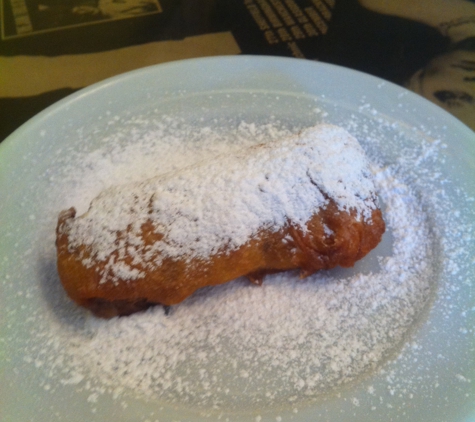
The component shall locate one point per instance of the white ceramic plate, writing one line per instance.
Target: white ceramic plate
(433, 376)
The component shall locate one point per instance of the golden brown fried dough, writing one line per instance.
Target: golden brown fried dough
(143, 264)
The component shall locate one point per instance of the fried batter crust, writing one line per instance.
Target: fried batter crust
(330, 238)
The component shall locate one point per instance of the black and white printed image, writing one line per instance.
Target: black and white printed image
(27, 17)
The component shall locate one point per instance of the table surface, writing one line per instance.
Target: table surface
(50, 49)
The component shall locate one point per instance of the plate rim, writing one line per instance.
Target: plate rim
(241, 59)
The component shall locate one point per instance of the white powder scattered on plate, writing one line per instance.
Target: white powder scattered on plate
(240, 346)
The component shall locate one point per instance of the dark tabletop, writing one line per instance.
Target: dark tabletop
(52, 48)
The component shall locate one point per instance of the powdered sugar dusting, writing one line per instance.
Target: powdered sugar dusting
(290, 341)
(225, 201)
(289, 337)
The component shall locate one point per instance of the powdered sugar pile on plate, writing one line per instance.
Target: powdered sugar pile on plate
(239, 345)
